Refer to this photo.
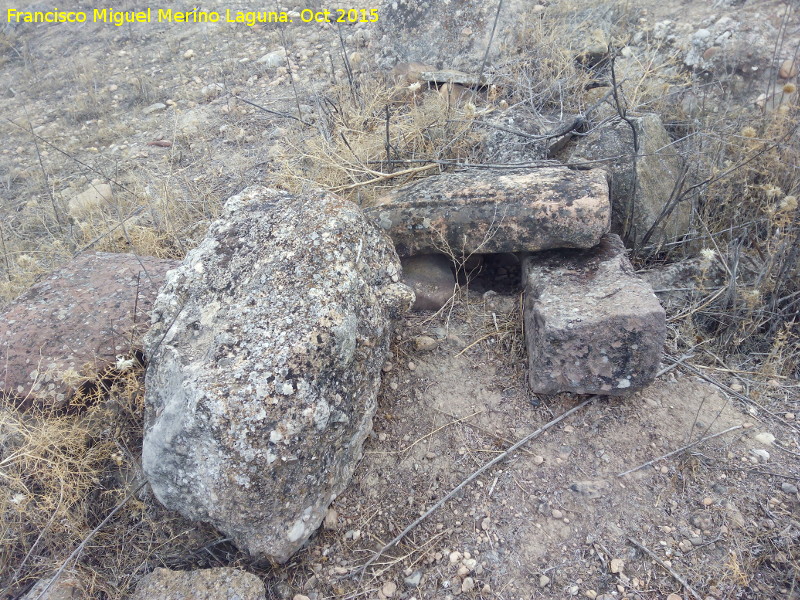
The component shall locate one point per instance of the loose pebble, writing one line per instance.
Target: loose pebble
(411, 365)
(789, 416)
(544, 581)
(537, 460)
(455, 557)
(788, 488)
(591, 594)
(413, 580)
(331, 519)
(557, 514)
(468, 584)
(708, 501)
(389, 588)
(425, 343)
(788, 69)
(617, 565)
(188, 54)
(765, 438)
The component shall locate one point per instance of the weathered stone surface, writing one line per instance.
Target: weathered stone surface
(221, 583)
(591, 325)
(66, 587)
(265, 358)
(453, 33)
(658, 167)
(432, 279)
(74, 322)
(96, 197)
(489, 211)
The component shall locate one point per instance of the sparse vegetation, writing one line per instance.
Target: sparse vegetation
(60, 475)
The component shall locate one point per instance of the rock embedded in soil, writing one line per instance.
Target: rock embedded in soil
(496, 210)
(432, 279)
(264, 365)
(82, 315)
(641, 184)
(221, 583)
(591, 325)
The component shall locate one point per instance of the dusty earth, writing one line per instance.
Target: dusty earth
(557, 519)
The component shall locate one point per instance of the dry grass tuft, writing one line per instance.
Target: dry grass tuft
(61, 476)
(363, 143)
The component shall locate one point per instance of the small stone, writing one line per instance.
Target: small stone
(154, 108)
(760, 454)
(462, 571)
(573, 590)
(537, 460)
(544, 581)
(557, 514)
(331, 519)
(486, 523)
(273, 59)
(736, 387)
(708, 501)
(413, 579)
(789, 416)
(424, 343)
(455, 557)
(788, 488)
(788, 69)
(674, 597)
(468, 584)
(696, 541)
(617, 565)
(188, 54)
(664, 470)
(387, 367)
(300, 597)
(591, 594)
(412, 366)
(765, 438)
(746, 425)
(389, 588)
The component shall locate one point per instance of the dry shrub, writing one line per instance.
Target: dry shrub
(750, 214)
(62, 474)
(348, 152)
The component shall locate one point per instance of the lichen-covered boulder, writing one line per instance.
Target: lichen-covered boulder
(264, 365)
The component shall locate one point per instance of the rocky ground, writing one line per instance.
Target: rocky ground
(176, 118)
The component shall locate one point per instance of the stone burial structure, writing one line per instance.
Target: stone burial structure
(268, 341)
(265, 357)
(591, 325)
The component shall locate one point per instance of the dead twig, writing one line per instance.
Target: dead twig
(679, 450)
(501, 457)
(675, 575)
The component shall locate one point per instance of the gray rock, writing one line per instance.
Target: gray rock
(788, 488)
(456, 33)
(95, 307)
(591, 325)
(431, 277)
(496, 210)
(265, 357)
(154, 108)
(657, 170)
(66, 587)
(221, 583)
(273, 59)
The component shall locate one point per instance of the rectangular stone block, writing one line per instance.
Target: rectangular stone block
(592, 326)
(496, 210)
